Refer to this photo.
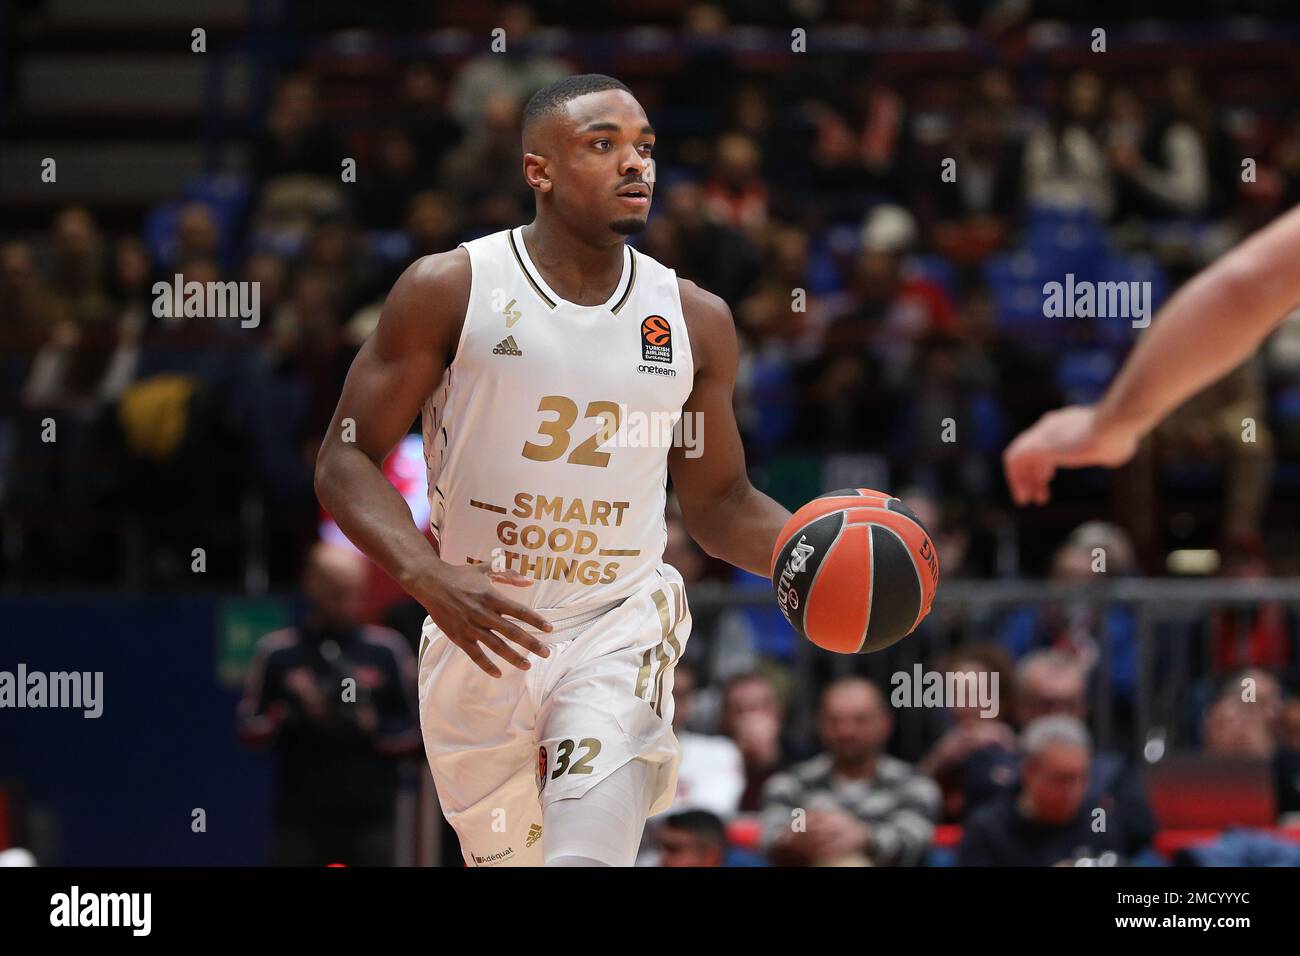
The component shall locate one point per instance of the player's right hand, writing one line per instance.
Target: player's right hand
(1070, 437)
(474, 615)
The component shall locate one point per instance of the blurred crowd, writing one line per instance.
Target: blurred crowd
(880, 310)
(1010, 775)
(874, 241)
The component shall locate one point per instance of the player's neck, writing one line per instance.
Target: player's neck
(578, 271)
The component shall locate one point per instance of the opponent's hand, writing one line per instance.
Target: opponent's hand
(1070, 437)
(473, 614)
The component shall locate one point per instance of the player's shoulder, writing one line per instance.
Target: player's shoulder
(702, 306)
(709, 323)
(426, 306)
(440, 271)
(438, 280)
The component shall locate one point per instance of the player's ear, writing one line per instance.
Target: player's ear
(535, 172)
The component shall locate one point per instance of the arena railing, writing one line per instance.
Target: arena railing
(1168, 616)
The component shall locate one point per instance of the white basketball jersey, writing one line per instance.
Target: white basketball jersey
(548, 438)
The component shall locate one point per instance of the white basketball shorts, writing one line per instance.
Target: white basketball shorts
(503, 749)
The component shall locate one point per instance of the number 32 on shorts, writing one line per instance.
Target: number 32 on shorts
(564, 753)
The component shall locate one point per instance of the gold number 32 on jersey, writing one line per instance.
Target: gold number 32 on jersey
(557, 430)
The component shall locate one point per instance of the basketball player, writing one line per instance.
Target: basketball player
(546, 663)
(1212, 325)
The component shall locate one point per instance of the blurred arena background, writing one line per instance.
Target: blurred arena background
(163, 532)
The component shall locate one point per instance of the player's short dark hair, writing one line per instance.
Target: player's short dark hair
(707, 826)
(551, 98)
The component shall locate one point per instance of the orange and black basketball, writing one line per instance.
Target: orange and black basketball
(854, 571)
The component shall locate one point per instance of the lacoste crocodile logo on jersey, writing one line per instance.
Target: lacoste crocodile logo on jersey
(512, 314)
(656, 339)
(507, 346)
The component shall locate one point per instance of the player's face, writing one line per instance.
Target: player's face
(605, 172)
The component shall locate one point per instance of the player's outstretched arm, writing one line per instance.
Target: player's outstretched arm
(396, 370)
(1210, 326)
(727, 516)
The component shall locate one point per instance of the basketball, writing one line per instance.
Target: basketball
(854, 571)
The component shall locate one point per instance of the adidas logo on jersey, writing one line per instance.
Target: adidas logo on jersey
(534, 834)
(507, 346)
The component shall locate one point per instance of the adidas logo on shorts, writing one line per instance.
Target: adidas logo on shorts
(507, 346)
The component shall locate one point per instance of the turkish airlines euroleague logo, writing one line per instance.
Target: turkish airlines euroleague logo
(656, 339)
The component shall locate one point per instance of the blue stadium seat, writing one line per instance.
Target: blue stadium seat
(160, 233)
(227, 195)
(1082, 374)
(224, 194)
(1015, 280)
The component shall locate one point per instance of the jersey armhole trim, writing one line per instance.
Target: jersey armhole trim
(686, 326)
(469, 308)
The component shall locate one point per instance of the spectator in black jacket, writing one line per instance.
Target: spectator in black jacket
(1047, 822)
(337, 700)
(1051, 682)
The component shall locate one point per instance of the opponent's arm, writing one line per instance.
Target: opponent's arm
(723, 512)
(1213, 324)
(397, 368)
